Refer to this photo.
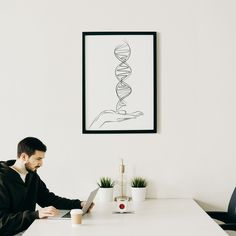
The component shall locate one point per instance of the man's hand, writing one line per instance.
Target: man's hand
(91, 206)
(47, 211)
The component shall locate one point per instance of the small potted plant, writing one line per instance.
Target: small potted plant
(138, 190)
(106, 185)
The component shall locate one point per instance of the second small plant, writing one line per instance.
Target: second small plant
(138, 182)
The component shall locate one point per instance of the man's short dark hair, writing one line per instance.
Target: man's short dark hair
(29, 145)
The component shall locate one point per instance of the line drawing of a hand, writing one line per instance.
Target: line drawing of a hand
(108, 116)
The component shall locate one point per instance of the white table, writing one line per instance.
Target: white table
(161, 217)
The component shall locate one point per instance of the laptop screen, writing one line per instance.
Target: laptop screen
(63, 214)
(89, 201)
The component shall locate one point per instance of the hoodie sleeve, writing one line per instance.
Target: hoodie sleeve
(12, 223)
(47, 198)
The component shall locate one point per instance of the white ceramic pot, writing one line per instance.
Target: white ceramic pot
(138, 194)
(105, 194)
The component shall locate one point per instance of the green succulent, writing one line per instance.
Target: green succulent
(138, 182)
(106, 182)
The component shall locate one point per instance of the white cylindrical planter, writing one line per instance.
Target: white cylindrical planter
(106, 194)
(138, 194)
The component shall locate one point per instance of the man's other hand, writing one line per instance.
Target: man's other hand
(91, 206)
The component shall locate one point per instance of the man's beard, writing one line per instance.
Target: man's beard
(29, 169)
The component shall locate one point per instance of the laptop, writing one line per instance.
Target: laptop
(65, 214)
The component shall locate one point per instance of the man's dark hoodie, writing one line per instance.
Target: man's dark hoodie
(18, 199)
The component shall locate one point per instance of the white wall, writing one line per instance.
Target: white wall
(193, 153)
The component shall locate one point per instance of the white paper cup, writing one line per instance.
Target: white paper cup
(76, 217)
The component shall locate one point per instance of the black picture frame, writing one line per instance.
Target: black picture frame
(111, 101)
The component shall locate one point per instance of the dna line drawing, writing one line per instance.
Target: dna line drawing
(122, 72)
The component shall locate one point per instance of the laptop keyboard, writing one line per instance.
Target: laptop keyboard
(67, 215)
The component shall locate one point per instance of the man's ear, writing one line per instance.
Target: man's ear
(24, 157)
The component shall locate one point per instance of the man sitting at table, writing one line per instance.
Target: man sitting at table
(21, 188)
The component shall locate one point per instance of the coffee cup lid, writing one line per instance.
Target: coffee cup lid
(76, 211)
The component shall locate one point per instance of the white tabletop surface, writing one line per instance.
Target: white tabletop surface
(163, 217)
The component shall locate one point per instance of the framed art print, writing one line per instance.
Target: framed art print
(119, 82)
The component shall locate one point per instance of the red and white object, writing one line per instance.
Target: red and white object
(122, 205)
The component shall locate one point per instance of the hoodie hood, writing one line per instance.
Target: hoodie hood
(5, 169)
(5, 165)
